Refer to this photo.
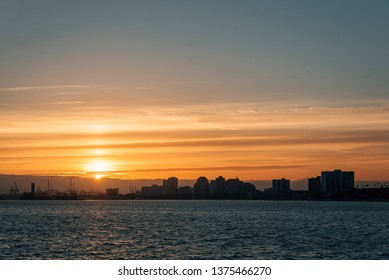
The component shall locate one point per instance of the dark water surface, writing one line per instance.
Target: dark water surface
(193, 230)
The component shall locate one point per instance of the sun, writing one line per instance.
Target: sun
(99, 176)
(98, 167)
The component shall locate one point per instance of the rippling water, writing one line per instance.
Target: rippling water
(193, 230)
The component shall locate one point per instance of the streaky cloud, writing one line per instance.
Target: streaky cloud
(48, 87)
(219, 168)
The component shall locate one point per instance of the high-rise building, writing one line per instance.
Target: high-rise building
(170, 185)
(281, 185)
(233, 187)
(337, 181)
(217, 186)
(201, 187)
(314, 185)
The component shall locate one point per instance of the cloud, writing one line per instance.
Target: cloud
(223, 127)
(70, 93)
(219, 168)
(49, 87)
(67, 102)
(184, 139)
(193, 82)
(158, 100)
(122, 140)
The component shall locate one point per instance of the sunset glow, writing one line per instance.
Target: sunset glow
(234, 140)
(99, 167)
(138, 95)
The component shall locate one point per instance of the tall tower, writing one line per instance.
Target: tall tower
(32, 188)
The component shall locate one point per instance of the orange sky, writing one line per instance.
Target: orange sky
(251, 141)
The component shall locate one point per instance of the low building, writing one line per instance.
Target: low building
(185, 190)
(112, 192)
(153, 190)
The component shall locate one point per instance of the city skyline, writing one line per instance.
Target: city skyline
(141, 89)
(331, 185)
(77, 183)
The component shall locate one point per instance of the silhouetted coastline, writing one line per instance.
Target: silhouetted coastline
(336, 185)
(356, 194)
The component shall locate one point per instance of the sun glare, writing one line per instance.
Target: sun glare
(98, 152)
(99, 176)
(98, 167)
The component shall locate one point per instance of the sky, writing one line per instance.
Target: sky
(151, 89)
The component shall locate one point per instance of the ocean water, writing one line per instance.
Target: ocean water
(193, 229)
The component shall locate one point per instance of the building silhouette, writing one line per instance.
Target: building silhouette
(202, 187)
(33, 188)
(185, 190)
(232, 187)
(337, 182)
(281, 186)
(112, 192)
(151, 191)
(314, 186)
(170, 185)
(217, 187)
(246, 189)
